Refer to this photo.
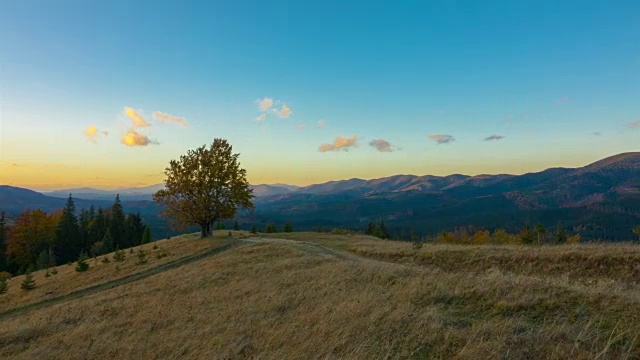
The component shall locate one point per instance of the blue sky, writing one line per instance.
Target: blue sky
(558, 84)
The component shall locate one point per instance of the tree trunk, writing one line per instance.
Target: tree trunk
(204, 230)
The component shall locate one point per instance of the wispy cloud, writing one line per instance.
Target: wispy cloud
(134, 138)
(321, 124)
(597, 133)
(494, 138)
(92, 133)
(284, 112)
(164, 117)
(441, 138)
(341, 143)
(381, 145)
(301, 127)
(261, 118)
(563, 100)
(15, 165)
(138, 120)
(634, 124)
(265, 104)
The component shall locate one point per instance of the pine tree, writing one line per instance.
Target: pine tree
(271, 228)
(117, 223)
(236, 226)
(219, 225)
(3, 285)
(3, 242)
(146, 235)
(29, 282)
(560, 234)
(287, 228)
(371, 228)
(142, 257)
(383, 233)
(119, 255)
(526, 235)
(82, 264)
(254, 229)
(68, 242)
(134, 229)
(107, 242)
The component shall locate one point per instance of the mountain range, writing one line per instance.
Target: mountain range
(598, 201)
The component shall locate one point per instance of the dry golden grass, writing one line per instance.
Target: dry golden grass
(279, 299)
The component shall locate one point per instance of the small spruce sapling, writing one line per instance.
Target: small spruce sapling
(29, 283)
(119, 255)
(254, 229)
(142, 257)
(82, 264)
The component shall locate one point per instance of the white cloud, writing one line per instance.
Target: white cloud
(284, 112)
(138, 120)
(134, 138)
(321, 124)
(261, 118)
(92, 133)
(441, 138)
(164, 117)
(340, 143)
(265, 104)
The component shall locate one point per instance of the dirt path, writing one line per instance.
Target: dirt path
(121, 281)
(231, 244)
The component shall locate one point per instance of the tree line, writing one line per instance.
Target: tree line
(39, 240)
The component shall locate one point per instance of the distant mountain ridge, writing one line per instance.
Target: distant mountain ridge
(600, 200)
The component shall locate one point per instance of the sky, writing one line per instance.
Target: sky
(105, 93)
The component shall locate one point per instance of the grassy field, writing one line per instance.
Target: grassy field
(308, 295)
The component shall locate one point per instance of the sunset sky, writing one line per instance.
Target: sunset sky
(105, 93)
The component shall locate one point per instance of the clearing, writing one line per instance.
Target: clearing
(312, 295)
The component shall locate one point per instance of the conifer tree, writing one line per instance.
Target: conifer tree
(3, 242)
(29, 283)
(254, 229)
(146, 235)
(82, 264)
(560, 234)
(287, 228)
(236, 226)
(3, 285)
(117, 223)
(119, 255)
(526, 235)
(68, 242)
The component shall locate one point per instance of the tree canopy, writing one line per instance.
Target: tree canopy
(205, 185)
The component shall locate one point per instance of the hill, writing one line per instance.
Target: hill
(307, 295)
(600, 201)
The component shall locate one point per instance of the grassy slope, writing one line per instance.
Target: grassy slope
(333, 296)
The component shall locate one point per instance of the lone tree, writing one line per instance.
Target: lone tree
(204, 186)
